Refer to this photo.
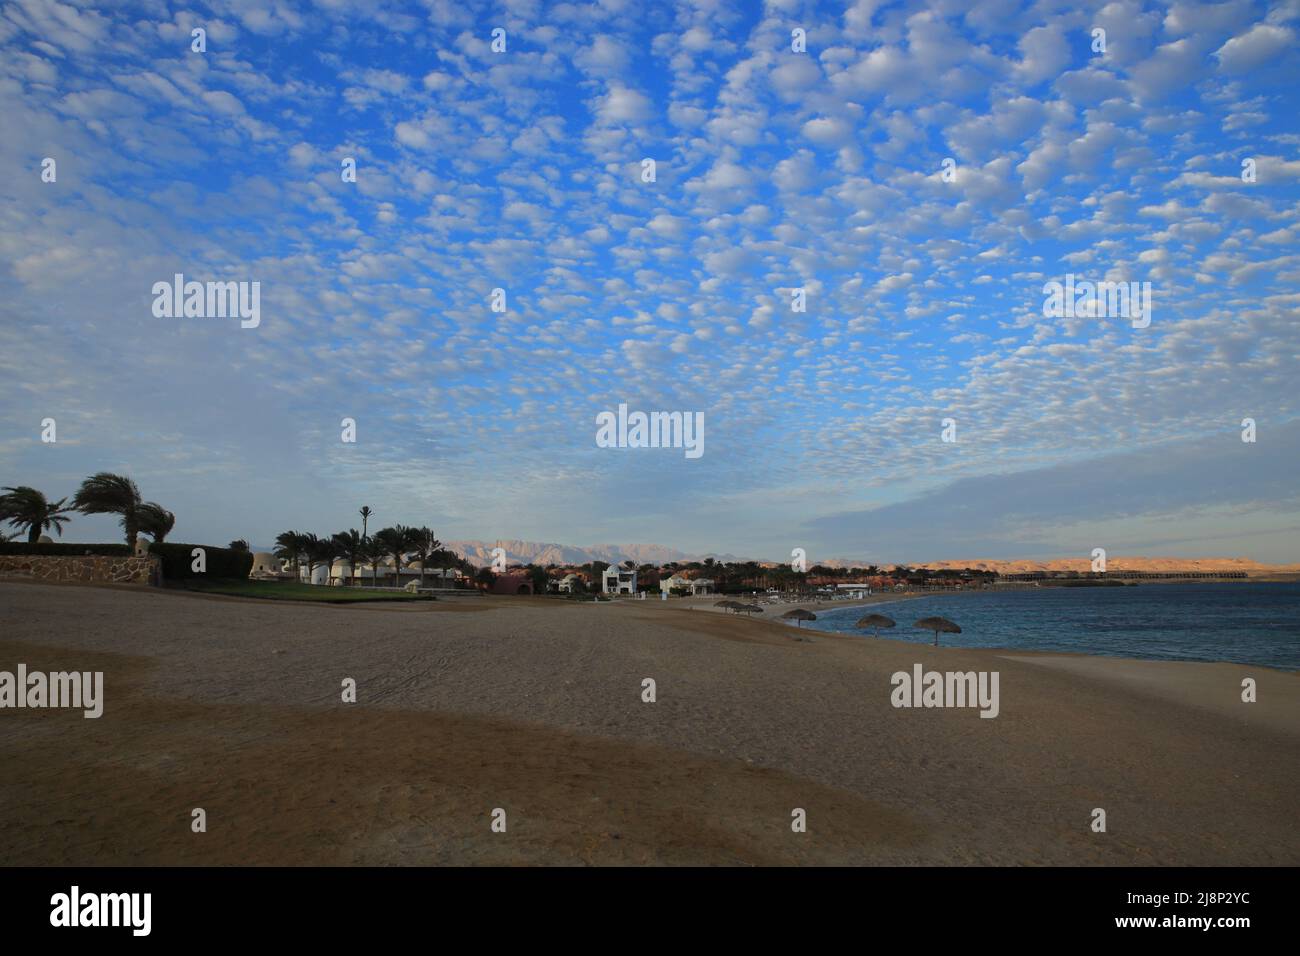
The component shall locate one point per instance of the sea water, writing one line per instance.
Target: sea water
(1243, 622)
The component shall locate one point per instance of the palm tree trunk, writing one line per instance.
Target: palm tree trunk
(34, 533)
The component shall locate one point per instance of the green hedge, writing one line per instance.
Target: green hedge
(62, 549)
(221, 562)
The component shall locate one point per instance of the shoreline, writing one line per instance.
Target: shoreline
(772, 612)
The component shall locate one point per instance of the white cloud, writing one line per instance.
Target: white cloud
(623, 105)
(1252, 49)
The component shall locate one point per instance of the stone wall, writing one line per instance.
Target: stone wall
(83, 569)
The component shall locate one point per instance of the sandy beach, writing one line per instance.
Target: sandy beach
(535, 706)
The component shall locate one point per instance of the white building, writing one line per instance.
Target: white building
(386, 577)
(619, 581)
(267, 566)
(854, 590)
(340, 572)
(696, 586)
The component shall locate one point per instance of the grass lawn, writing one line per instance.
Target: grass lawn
(293, 591)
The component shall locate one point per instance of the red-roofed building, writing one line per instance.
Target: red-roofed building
(511, 583)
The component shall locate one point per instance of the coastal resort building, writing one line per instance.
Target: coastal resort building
(619, 581)
(512, 582)
(341, 573)
(693, 586)
(381, 575)
(566, 583)
(853, 590)
(267, 567)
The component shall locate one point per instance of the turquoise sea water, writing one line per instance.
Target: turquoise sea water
(1246, 623)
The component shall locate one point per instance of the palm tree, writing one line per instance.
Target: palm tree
(424, 542)
(319, 551)
(106, 493)
(307, 542)
(25, 507)
(396, 541)
(155, 521)
(365, 513)
(351, 545)
(445, 559)
(373, 550)
(290, 546)
(539, 577)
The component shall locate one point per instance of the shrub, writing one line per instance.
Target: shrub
(221, 562)
(64, 549)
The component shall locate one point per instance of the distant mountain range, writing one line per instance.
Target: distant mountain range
(1118, 563)
(544, 553)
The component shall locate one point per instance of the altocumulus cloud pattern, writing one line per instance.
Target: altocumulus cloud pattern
(918, 171)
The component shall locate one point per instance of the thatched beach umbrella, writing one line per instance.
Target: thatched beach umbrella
(876, 621)
(750, 609)
(800, 615)
(938, 624)
(729, 605)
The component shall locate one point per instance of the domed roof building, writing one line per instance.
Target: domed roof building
(267, 566)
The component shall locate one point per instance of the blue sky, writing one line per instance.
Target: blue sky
(775, 170)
